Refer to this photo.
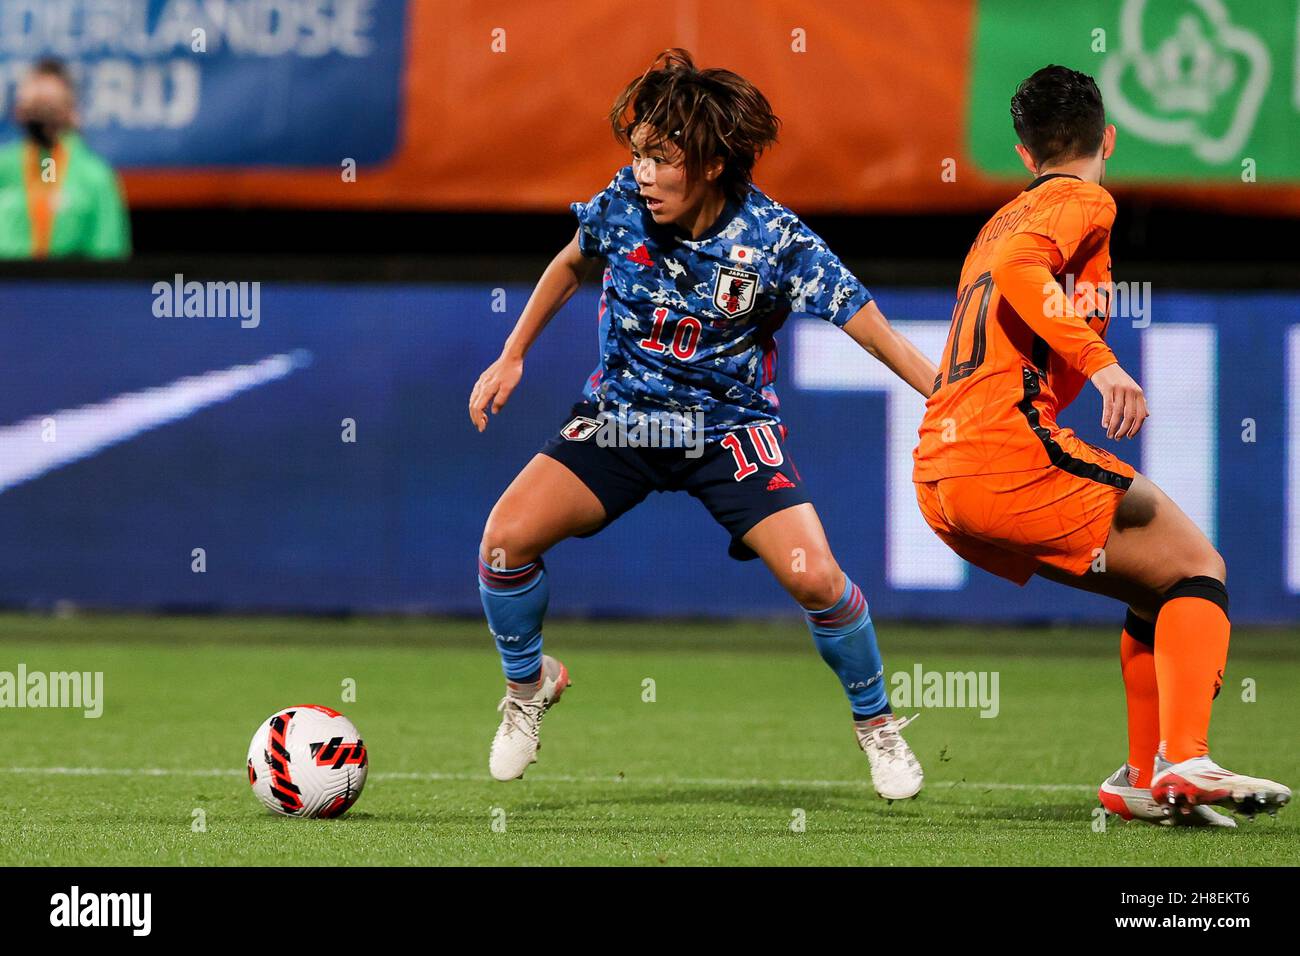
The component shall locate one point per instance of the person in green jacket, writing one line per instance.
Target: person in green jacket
(57, 197)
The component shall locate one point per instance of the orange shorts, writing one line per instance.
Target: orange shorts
(1010, 523)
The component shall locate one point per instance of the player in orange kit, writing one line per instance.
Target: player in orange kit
(1013, 492)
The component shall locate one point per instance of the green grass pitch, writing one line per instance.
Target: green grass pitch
(748, 733)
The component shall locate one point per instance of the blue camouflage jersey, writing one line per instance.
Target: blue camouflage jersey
(688, 325)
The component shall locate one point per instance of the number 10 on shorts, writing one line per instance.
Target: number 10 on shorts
(766, 447)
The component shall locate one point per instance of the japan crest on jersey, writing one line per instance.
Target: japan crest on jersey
(734, 291)
(580, 429)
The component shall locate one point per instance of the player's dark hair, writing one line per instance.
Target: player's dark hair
(49, 66)
(1058, 115)
(707, 114)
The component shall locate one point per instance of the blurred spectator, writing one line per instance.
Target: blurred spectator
(57, 198)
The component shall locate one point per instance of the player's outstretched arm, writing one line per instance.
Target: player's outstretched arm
(556, 286)
(870, 329)
(1025, 275)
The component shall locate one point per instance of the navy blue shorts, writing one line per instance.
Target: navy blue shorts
(741, 479)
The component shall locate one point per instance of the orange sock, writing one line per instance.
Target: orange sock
(1191, 652)
(1137, 662)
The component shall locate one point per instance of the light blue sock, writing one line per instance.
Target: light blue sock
(847, 642)
(514, 600)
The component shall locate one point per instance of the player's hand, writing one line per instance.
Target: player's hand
(493, 388)
(1123, 406)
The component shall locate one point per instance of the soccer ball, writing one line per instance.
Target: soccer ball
(307, 761)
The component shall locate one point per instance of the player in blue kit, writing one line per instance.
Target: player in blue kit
(700, 270)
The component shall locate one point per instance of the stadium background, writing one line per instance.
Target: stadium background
(469, 127)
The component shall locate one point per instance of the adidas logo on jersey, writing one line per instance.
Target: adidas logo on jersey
(779, 481)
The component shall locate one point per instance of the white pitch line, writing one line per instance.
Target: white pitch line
(544, 778)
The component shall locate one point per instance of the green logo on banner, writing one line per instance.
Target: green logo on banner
(1199, 89)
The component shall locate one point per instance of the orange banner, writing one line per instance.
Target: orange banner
(504, 109)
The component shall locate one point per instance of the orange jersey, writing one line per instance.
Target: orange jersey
(1028, 330)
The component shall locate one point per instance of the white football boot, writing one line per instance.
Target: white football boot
(1136, 803)
(515, 745)
(1201, 781)
(895, 771)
